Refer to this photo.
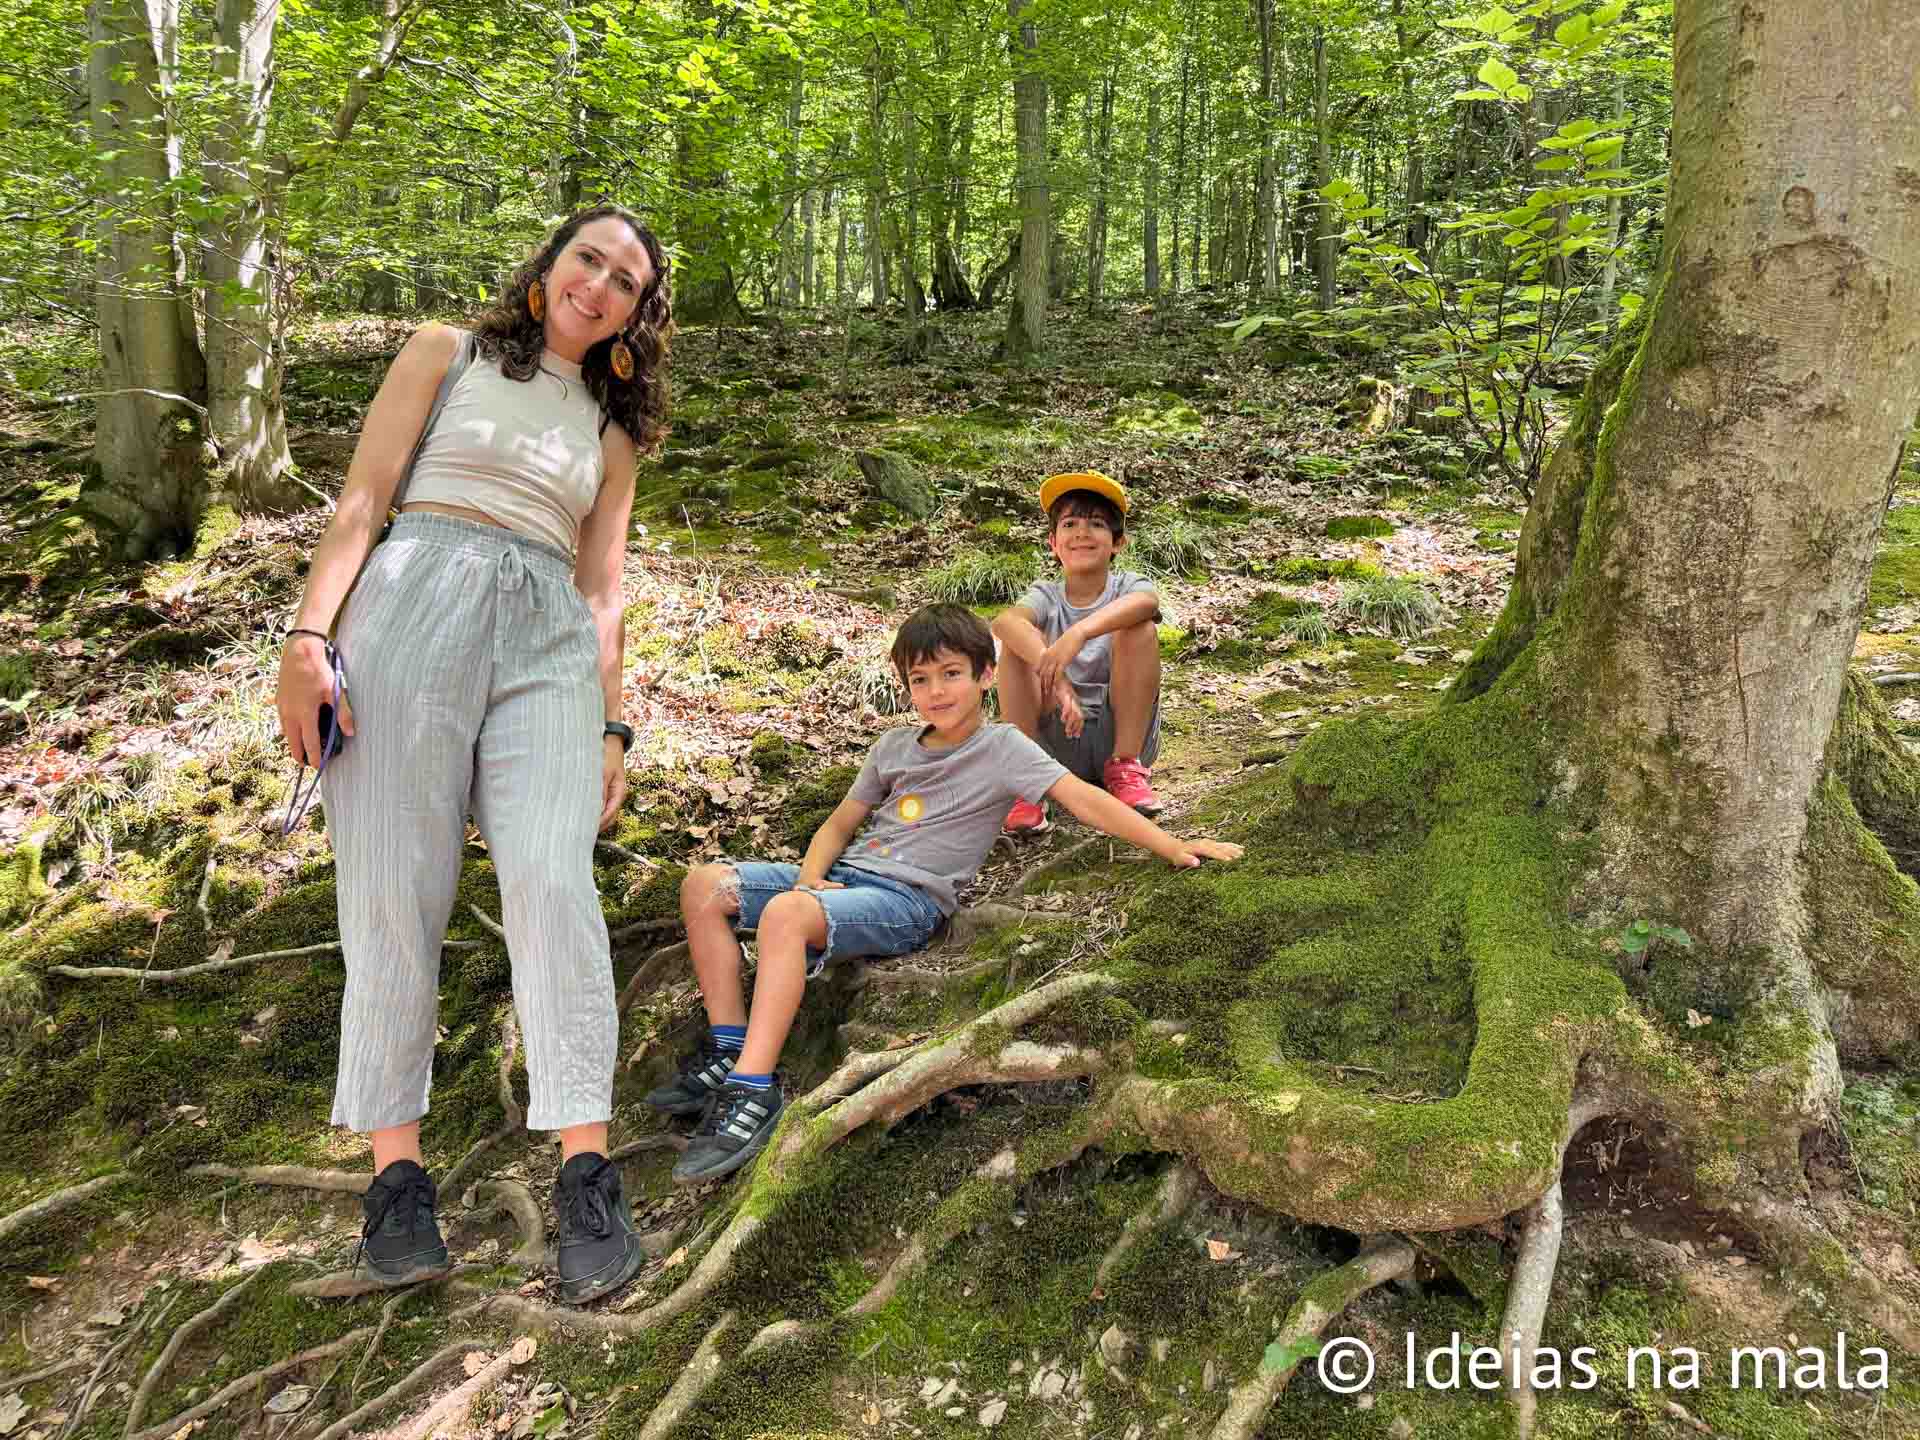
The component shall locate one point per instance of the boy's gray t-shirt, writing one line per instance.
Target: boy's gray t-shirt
(1092, 669)
(936, 813)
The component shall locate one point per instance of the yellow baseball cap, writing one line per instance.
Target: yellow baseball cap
(1054, 486)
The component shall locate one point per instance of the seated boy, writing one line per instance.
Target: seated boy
(935, 793)
(1080, 656)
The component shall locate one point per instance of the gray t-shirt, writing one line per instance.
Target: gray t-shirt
(1092, 669)
(936, 812)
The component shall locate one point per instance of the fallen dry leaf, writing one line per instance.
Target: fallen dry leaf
(674, 1259)
(872, 1415)
(522, 1351)
(475, 1361)
(1221, 1250)
(43, 1282)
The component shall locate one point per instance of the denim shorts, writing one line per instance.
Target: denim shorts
(874, 915)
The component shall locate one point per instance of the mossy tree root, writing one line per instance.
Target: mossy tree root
(452, 1407)
(149, 1382)
(60, 1199)
(1318, 1306)
(516, 1120)
(701, 1372)
(352, 1284)
(209, 967)
(1527, 1295)
(226, 1394)
(293, 1177)
(1179, 1188)
(415, 1379)
(517, 1200)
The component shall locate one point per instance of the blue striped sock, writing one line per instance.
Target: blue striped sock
(752, 1082)
(728, 1039)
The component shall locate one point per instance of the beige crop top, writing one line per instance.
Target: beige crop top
(526, 454)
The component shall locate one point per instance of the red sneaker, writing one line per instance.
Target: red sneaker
(1126, 781)
(1026, 819)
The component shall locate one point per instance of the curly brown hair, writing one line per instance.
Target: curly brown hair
(509, 336)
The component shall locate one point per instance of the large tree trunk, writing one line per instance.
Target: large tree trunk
(1027, 319)
(1693, 570)
(150, 487)
(245, 355)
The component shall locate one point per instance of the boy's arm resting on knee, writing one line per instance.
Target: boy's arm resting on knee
(1139, 608)
(1018, 631)
(830, 842)
(1097, 808)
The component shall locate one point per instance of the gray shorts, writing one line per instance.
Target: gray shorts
(1086, 754)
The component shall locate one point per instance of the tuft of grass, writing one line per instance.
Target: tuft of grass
(862, 681)
(1168, 545)
(16, 676)
(1358, 527)
(1307, 626)
(984, 577)
(1391, 603)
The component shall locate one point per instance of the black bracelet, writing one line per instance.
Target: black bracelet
(624, 732)
(301, 630)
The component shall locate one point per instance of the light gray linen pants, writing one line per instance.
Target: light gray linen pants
(473, 672)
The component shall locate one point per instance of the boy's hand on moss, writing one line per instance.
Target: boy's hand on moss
(1192, 852)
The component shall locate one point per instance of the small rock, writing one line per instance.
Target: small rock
(930, 1387)
(293, 1398)
(1207, 1377)
(1052, 1385)
(1161, 1349)
(954, 1412)
(992, 1413)
(1401, 1428)
(1017, 1367)
(1134, 1432)
(1364, 1402)
(1114, 1344)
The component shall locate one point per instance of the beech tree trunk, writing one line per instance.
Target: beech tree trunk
(1325, 235)
(1693, 570)
(1027, 319)
(1265, 260)
(1150, 195)
(1097, 226)
(246, 360)
(149, 488)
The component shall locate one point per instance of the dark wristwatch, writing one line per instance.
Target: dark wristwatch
(625, 732)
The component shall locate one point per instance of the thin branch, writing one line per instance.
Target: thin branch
(198, 1322)
(59, 1200)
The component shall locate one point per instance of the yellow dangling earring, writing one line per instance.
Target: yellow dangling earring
(537, 301)
(621, 358)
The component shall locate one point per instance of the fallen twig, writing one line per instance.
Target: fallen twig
(187, 972)
(1904, 677)
(487, 920)
(20, 1382)
(297, 1177)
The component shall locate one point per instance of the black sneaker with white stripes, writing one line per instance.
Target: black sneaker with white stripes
(701, 1075)
(736, 1129)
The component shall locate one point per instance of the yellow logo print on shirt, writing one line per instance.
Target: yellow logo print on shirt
(911, 808)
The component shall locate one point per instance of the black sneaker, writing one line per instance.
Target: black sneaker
(701, 1075)
(736, 1129)
(401, 1242)
(599, 1250)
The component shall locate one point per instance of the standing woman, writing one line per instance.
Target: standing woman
(483, 649)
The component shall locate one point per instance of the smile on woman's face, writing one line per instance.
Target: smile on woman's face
(594, 285)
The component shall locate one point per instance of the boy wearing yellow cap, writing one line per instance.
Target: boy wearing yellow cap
(1080, 656)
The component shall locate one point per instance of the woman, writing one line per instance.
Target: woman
(483, 650)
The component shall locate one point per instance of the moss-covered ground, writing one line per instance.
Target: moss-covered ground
(1391, 945)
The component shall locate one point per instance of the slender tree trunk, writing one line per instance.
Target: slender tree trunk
(1097, 229)
(1266, 247)
(703, 291)
(1202, 165)
(1180, 162)
(1027, 320)
(1616, 215)
(1150, 194)
(840, 293)
(915, 341)
(1326, 234)
(1694, 566)
(149, 488)
(878, 75)
(245, 357)
(809, 251)
(792, 288)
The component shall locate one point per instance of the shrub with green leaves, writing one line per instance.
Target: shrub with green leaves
(1393, 603)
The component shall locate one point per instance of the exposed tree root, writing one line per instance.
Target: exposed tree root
(90, 1391)
(663, 1141)
(56, 1202)
(622, 853)
(487, 922)
(415, 1379)
(453, 1406)
(516, 1120)
(294, 1177)
(208, 967)
(1318, 1306)
(648, 974)
(1527, 1295)
(1178, 1190)
(517, 1200)
(193, 1326)
(643, 928)
(20, 1382)
(701, 1372)
(230, 1392)
(1794, 1238)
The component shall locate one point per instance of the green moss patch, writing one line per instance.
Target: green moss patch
(1358, 527)
(1896, 566)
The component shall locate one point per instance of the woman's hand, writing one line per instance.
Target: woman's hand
(613, 780)
(306, 683)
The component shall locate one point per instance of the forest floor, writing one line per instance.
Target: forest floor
(1308, 571)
